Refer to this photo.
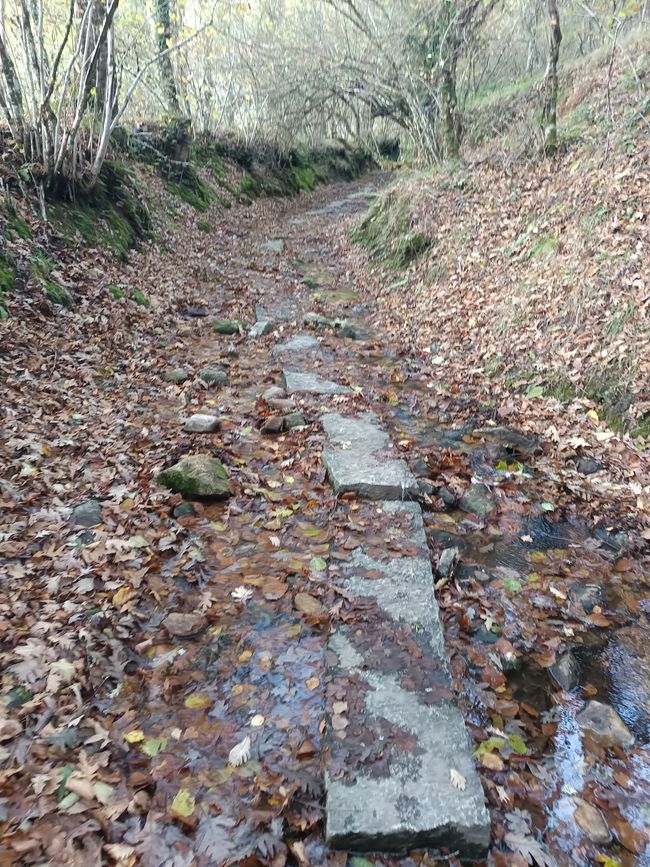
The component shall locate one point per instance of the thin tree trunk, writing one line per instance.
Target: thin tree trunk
(165, 60)
(549, 107)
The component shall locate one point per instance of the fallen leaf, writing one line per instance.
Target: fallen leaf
(240, 753)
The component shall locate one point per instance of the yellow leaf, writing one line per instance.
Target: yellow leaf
(198, 701)
(134, 737)
(184, 803)
(257, 721)
(312, 683)
(594, 415)
(122, 596)
(244, 656)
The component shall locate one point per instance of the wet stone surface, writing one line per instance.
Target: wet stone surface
(355, 460)
(397, 745)
(296, 381)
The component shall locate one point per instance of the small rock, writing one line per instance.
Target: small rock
(272, 425)
(227, 326)
(308, 604)
(87, 514)
(477, 500)
(426, 487)
(184, 625)
(178, 375)
(184, 510)
(300, 344)
(213, 377)
(486, 636)
(197, 477)
(294, 419)
(421, 467)
(194, 312)
(566, 671)
(604, 725)
(201, 423)
(317, 320)
(590, 820)
(587, 466)
(273, 392)
(447, 562)
(262, 328)
(447, 497)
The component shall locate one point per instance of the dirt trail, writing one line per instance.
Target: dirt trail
(118, 734)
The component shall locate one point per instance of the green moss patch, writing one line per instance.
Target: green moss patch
(389, 234)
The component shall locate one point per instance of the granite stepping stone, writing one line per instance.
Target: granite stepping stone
(399, 770)
(357, 459)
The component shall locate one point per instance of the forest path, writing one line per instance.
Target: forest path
(127, 719)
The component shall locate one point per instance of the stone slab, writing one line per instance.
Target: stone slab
(296, 381)
(300, 345)
(261, 328)
(395, 739)
(355, 460)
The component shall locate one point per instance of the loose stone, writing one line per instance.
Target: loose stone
(213, 377)
(296, 382)
(301, 344)
(227, 326)
(273, 392)
(197, 477)
(178, 376)
(272, 425)
(183, 510)
(201, 423)
(262, 328)
(184, 625)
(603, 725)
(477, 501)
(294, 419)
(87, 514)
(566, 671)
(590, 820)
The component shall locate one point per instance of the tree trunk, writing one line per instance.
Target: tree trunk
(549, 107)
(451, 122)
(165, 62)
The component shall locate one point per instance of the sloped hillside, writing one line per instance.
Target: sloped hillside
(529, 279)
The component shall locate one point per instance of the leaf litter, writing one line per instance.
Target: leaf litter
(201, 743)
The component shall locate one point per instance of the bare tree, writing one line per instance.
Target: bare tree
(549, 104)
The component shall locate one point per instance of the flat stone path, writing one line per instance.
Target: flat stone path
(355, 459)
(399, 771)
(400, 774)
(296, 382)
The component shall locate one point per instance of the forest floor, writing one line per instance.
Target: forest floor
(115, 734)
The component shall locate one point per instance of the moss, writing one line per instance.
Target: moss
(57, 294)
(249, 186)
(117, 235)
(203, 225)
(177, 480)
(388, 233)
(561, 387)
(116, 292)
(139, 297)
(40, 265)
(7, 282)
(642, 427)
(15, 224)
